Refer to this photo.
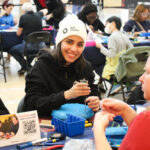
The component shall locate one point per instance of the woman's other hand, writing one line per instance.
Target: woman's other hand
(93, 103)
(102, 119)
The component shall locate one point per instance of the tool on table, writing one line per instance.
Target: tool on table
(52, 138)
(28, 144)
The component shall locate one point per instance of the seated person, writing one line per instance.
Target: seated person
(56, 10)
(2, 132)
(139, 22)
(54, 79)
(89, 16)
(28, 23)
(117, 43)
(77, 5)
(6, 18)
(137, 137)
(3, 109)
(15, 126)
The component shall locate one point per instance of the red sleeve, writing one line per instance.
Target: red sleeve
(138, 135)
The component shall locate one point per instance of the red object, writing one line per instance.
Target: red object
(53, 147)
(137, 137)
(42, 2)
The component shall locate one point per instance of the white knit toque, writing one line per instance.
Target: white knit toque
(69, 26)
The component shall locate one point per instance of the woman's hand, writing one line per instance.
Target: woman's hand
(118, 107)
(93, 103)
(114, 106)
(102, 120)
(78, 89)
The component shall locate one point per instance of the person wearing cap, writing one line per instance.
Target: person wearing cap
(6, 18)
(89, 16)
(55, 78)
(29, 22)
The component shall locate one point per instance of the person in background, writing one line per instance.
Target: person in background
(137, 137)
(6, 18)
(56, 11)
(77, 5)
(15, 126)
(118, 42)
(139, 22)
(2, 133)
(89, 16)
(29, 22)
(55, 78)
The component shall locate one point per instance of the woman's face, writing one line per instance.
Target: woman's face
(8, 9)
(144, 15)
(14, 120)
(91, 17)
(145, 80)
(72, 48)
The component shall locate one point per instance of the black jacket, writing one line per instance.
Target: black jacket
(47, 81)
(3, 109)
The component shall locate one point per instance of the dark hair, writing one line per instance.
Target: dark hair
(7, 3)
(117, 21)
(14, 116)
(56, 7)
(89, 8)
(79, 64)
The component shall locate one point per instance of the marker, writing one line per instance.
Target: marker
(88, 124)
(31, 143)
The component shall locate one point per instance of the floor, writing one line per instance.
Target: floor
(12, 91)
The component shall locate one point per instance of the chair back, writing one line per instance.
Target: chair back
(132, 62)
(130, 68)
(39, 36)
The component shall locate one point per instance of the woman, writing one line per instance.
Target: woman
(89, 16)
(137, 137)
(54, 79)
(139, 22)
(6, 18)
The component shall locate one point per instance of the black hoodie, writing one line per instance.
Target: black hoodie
(47, 81)
(3, 109)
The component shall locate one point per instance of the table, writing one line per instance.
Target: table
(88, 134)
(145, 42)
(10, 39)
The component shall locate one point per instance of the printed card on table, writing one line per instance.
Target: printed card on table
(19, 128)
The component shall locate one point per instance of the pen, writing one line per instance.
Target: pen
(31, 143)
